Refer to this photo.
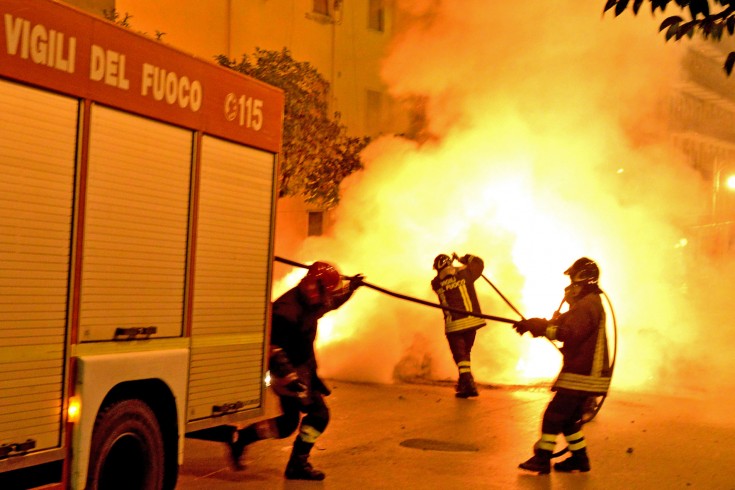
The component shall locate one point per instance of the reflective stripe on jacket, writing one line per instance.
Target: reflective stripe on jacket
(586, 361)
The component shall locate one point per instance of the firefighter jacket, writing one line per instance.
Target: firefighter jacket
(455, 288)
(586, 364)
(293, 331)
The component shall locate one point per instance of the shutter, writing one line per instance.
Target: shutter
(136, 223)
(37, 159)
(231, 277)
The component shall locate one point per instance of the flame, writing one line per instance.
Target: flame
(535, 362)
(542, 148)
(290, 280)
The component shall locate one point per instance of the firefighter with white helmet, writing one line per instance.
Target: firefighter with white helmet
(293, 369)
(585, 370)
(455, 288)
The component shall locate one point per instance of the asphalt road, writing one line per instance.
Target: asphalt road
(419, 436)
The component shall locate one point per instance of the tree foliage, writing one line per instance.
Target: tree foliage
(317, 152)
(710, 20)
(124, 21)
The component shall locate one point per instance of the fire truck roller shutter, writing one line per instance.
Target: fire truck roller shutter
(231, 278)
(37, 161)
(136, 226)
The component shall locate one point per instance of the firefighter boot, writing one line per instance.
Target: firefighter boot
(578, 461)
(466, 386)
(472, 387)
(299, 468)
(240, 439)
(237, 448)
(539, 463)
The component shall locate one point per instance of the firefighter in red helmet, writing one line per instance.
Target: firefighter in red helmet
(455, 288)
(293, 368)
(585, 370)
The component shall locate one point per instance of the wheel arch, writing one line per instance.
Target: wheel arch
(157, 377)
(159, 397)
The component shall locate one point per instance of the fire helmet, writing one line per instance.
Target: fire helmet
(441, 261)
(320, 282)
(583, 272)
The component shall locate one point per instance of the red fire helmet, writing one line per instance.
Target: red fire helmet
(322, 278)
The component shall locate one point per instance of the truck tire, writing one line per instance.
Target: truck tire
(127, 449)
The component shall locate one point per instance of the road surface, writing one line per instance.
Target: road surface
(419, 436)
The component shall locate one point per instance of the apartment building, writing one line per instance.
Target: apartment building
(701, 117)
(344, 40)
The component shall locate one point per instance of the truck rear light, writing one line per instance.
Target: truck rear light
(73, 409)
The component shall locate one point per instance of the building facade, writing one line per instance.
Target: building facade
(343, 40)
(701, 116)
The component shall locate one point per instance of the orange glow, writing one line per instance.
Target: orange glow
(530, 133)
(537, 361)
(289, 281)
(730, 182)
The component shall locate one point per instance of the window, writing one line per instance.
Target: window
(374, 112)
(376, 15)
(316, 223)
(321, 7)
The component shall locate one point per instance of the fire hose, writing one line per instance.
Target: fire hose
(588, 416)
(408, 298)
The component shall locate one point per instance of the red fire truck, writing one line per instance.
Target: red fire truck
(137, 204)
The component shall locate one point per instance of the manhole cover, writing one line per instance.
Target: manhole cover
(434, 445)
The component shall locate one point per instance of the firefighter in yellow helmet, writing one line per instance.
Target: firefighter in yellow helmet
(455, 288)
(585, 370)
(293, 368)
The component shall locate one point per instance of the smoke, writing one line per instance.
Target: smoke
(545, 142)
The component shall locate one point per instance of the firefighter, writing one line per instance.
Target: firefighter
(293, 368)
(585, 370)
(455, 287)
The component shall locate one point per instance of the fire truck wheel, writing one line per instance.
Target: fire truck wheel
(127, 448)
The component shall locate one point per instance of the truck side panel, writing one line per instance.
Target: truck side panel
(136, 224)
(36, 199)
(137, 203)
(231, 278)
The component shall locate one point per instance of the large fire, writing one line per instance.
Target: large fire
(545, 147)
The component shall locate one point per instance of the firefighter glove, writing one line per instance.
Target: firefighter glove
(537, 326)
(465, 259)
(356, 281)
(296, 386)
